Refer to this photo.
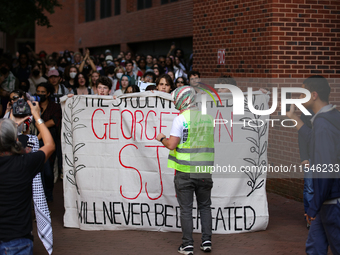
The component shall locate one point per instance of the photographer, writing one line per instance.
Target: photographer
(17, 171)
(8, 82)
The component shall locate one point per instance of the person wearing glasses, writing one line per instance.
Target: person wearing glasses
(161, 63)
(13, 97)
(179, 82)
(8, 82)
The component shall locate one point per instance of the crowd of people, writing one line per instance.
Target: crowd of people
(74, 73)
(46, 78)
(52, 76)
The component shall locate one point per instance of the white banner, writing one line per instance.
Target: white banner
(116, 175)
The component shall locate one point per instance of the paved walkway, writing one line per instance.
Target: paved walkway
(286, 234)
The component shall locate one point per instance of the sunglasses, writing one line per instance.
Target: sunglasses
(180, 81)
(14, 98)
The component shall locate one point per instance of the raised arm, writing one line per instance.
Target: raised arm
(292, 115)
(46, 136)
(82, 64)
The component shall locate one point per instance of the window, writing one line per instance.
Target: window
(105, 8)
(117, 7)
(90, 10)
(167, 1)
(143, 4)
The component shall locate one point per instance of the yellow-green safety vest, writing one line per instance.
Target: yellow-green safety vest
(196, 154)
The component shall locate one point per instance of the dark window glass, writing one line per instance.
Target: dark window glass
(140, 4)
(168, 1)
(105, 8)
(117, 7)
(90, 10)
(148, 3)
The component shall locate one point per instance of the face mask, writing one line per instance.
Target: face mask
(73, 75)
(63, 64)
(3, 70)
(42, 98)
(119, 75)
(36, 72)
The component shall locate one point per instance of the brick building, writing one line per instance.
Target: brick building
(281, 39)
(143, 26)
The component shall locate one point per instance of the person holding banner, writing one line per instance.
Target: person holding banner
(192, 153)
(165, 84)
(104, 86)
(17, 170)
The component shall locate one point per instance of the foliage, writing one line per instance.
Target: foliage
(18, 16)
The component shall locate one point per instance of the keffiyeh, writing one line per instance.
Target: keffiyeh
(184, 98)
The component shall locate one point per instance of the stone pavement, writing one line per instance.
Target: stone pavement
(286, 234)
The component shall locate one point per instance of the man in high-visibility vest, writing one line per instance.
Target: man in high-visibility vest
(191, 145)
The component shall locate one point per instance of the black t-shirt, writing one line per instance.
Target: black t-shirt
(16, 175)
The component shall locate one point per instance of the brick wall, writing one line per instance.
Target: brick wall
(284, 39)
(172, 20)
(60, 36)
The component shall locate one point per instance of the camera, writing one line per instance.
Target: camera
(21, 108)
(35, 98)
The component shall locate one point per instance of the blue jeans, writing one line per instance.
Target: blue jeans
(308, 191)
(324, 231)
(185, 187)
(20, 246)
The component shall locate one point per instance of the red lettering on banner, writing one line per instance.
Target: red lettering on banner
(160, 174)
(160, 126)
(121, 124)
(137, 119)
(104, 136)
(112, 123)
(146, 123)
(130, 167)
(139, 122)
(230, 133)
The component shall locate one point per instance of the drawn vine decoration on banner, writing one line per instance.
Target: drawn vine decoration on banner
(258, 148)
(70, 125)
